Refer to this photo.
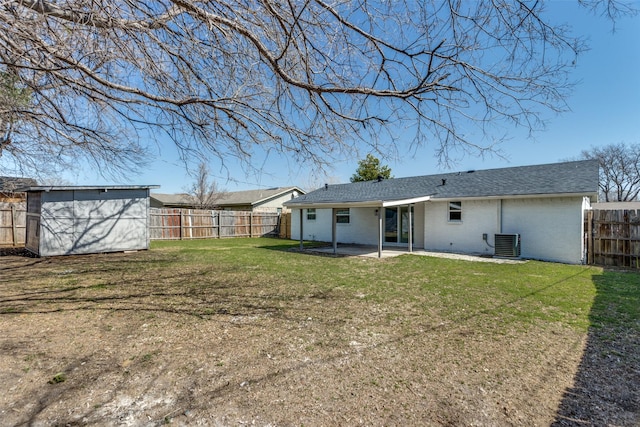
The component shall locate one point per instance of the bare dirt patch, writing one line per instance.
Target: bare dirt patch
(130, 346)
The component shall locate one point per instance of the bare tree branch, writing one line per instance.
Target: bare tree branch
(310, 78)
(204, 193)
(619, 171)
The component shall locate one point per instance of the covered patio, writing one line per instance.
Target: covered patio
(381, 207)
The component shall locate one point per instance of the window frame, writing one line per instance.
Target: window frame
(314, 214)
(454, 211)
(342, 217)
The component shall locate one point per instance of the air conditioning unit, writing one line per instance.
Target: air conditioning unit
(507, 245)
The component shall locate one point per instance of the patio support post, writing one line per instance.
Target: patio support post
(380, 232)
(410, 229)
(334, 239)
(301, 230)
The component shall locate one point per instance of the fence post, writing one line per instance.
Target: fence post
(213, 222)
(189, 222)
(590, 248)
(14, 226)
(251, 224)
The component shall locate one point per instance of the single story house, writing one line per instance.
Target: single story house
(532, 212)
(69, 220)
(268, 199)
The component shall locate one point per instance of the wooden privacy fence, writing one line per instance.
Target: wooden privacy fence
(175, 224)
(613, 237)
(12, 225)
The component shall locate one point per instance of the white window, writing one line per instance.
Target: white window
(311, 214)
(455, 211)
(342, 216)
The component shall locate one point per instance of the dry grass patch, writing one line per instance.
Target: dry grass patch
(226, 332)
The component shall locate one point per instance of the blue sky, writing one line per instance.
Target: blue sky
(605, 109)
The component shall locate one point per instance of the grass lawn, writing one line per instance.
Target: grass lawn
(226, 332)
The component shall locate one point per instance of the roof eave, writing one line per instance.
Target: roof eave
(358, 204)
(410, 201)
(517, 196)
(391, 203)
(329, 205)
(47, 188)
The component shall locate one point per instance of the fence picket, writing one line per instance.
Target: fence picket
(12, 224)
(613, 237)
(209, 224)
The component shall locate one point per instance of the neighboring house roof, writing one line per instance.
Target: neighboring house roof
(234, 198)
(568, 178)
(616, 205)
(254, 197)
(11, 184)
(172, 199)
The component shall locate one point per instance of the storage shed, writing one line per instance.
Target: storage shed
(66, 220)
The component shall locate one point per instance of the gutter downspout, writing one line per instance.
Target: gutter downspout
(410, 229)
(586, 205)
(334, 239)
(301, 231)
(380, 232)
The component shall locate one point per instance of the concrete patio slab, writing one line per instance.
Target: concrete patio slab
(372, 252)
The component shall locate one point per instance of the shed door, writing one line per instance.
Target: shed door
(32, 240)
(32, 230)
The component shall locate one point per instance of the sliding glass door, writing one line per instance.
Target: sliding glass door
(396, 224)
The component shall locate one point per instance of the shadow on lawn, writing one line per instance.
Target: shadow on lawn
(117, 282)
(75, 284)
(606, 388)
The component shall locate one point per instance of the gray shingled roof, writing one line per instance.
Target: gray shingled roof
(248, 197)
(579, 177)
(172, 199)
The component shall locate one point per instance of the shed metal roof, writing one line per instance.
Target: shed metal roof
(567, 178)
(45, 188)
